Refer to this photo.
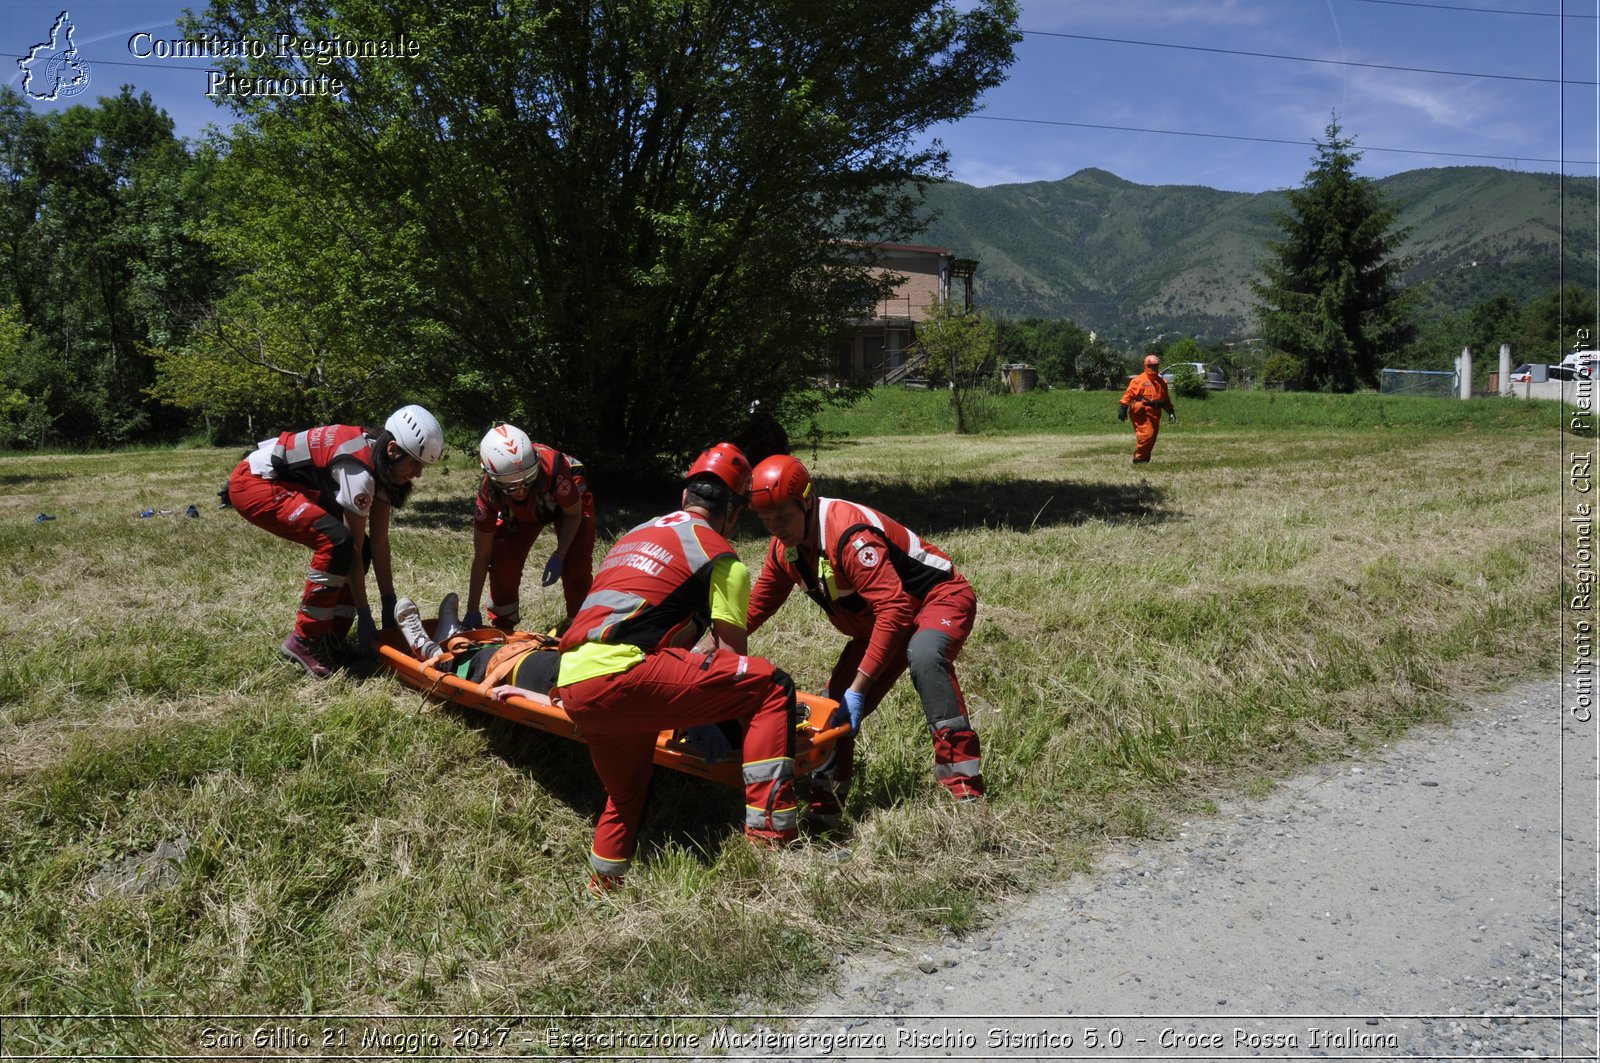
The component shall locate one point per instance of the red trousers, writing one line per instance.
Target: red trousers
(929, 648)
(620, 715)
(508, 556)
(291, 511)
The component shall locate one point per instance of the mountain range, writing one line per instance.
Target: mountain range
(1127, 259)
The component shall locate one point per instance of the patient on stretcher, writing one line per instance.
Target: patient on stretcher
(530, 671)
(527, 668)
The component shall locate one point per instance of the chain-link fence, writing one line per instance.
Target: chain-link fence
(1432, 383)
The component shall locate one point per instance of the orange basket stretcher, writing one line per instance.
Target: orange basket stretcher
(813, 737)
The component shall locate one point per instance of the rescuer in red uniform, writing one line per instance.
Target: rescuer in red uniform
(628, 670)
(527, 485)
(332, 488)
(898, 599)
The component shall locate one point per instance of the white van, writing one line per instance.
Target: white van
(1583, 362)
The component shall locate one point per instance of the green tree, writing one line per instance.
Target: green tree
(619, 224)
(16, 426)
(963, 344)
(1052, 347)
(1560, 321)
(1500, 319)
(1331, 295)
(98, 257)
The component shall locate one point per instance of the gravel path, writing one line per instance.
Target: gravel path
(1404, 903)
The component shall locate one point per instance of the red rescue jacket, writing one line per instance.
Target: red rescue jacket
(308, 457)
(868, 572)
(656, 579)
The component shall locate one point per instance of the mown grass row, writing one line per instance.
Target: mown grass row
(895, 411)
(1148, 639)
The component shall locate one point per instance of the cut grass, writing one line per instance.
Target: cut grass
(1147, 639)
(895, 412)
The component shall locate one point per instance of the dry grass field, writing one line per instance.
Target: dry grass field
(190, 825)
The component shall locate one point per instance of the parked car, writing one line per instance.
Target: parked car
(1522, 374)
(1213, 378)
(1568, 372)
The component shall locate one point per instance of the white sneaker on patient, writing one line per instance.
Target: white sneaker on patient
(448, 623)
(410, 621)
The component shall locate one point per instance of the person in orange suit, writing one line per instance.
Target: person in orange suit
(1145, 398)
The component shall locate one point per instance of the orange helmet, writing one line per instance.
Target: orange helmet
(777, 479)
(1152, 361)
(727, 463)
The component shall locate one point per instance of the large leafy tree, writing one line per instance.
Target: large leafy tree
(1331, 294)
(619, 223)
(98, 260)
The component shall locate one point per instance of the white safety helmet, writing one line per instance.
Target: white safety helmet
(507, 455)
(418, 433)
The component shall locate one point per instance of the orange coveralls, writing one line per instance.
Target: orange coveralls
(1145, 398)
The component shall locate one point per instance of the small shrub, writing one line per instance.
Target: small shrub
(1187, 383)
(1282, 371)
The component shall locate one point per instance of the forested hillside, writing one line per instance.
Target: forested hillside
(1127, 259)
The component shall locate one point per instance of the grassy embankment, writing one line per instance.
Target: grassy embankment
(1294, 577)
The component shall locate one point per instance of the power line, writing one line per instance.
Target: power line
(1473, 10)
(1303, 59)
(1272, 140)
(142, 66)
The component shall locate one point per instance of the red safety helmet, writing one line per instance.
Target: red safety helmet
(779, 478)
(1152, 361)
(727, 463)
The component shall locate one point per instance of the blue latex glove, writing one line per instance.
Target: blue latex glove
(852, 707)
(472, 621)
(387, 602)
(552, 570)
(366, 630)
(708, 743)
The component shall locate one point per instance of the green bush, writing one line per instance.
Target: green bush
(1187, 383)
(1282, 371)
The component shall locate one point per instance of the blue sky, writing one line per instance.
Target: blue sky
(1224, 93)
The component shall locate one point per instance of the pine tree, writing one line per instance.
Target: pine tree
(1331, 296)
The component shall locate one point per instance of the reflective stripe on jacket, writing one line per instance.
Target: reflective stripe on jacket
(308, 457)
(656, 579)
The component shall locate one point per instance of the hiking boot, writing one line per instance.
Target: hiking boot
(448, 623)
(410, 622)
(964, 791)
(600, 884)
(823, 814)
(307, 655)
(770, 839)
